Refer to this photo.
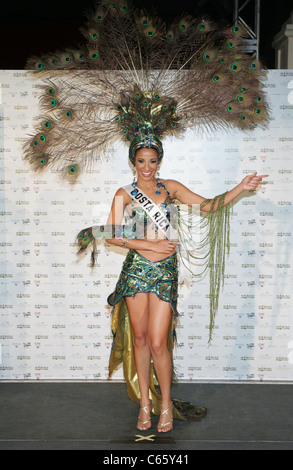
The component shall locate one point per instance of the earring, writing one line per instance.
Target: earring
(134, 184)
(158, 183)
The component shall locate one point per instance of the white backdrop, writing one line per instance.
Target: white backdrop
(54, 320)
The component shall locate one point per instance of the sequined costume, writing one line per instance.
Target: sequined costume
(140, 275)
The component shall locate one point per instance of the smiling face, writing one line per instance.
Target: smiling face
(146, 163)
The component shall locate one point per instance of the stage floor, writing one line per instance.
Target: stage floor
(99, 416)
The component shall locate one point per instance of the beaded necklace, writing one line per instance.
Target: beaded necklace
(158, 186)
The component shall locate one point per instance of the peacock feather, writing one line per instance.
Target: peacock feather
(134, 69)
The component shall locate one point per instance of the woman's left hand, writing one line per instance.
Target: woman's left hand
(251, 182)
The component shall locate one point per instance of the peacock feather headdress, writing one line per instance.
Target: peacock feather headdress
(139, 80)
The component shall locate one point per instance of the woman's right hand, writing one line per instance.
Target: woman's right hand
(164, 246)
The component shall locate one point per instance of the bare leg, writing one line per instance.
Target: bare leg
(158, 328)
(138, 311)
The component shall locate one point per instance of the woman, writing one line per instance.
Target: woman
(166, 79)
(150, 314)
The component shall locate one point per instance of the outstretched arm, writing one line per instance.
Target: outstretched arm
(186, 196)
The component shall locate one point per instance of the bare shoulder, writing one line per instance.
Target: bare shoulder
(182, 193)
(121, 193)
(173, 186)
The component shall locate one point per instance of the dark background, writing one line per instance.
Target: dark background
(34, 27)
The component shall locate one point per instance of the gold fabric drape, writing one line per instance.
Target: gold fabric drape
(123, 353)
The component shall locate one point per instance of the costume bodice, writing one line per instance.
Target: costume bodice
(140, 217)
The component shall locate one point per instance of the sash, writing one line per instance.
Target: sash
(153, 211)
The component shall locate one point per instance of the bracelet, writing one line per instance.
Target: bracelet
(124, 242)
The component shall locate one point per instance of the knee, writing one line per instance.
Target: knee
(140, 340)
(157, 346)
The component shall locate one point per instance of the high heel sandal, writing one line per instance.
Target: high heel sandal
(161, 427)
(143, 424)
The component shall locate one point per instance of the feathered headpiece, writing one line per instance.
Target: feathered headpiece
(138, 80)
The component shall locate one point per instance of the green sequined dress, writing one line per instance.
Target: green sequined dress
(161, 277)
(140, 275)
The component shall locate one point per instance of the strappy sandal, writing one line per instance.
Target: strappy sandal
(161, 427)
(143, 424)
